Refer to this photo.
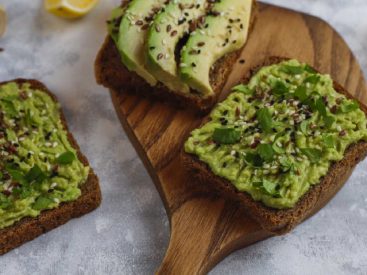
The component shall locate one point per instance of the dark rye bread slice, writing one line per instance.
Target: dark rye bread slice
(112, 74)
(274, 220)
(29, 228)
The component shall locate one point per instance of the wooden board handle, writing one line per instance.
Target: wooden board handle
(196, 245)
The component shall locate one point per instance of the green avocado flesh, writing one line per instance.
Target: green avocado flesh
(277, 136)
(132, 25)
(39, 167)
(168, 28)
(224, 31)
(162, 40)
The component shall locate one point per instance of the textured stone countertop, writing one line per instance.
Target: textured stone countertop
(128, 234)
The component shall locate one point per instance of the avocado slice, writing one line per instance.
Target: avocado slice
(113, 23)
(132, 33)
(168, 28)
(225, 30)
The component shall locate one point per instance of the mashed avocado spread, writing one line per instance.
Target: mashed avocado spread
(277, 136)
(38, 166)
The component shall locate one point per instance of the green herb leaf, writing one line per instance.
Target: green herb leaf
(243, 89)
(9, 108)
(286, 164)
(309, 69)
(42, 203)
(254, 160)
(313, 79)
(320, 106)
(66, 158)
(35, 174)
(266, 152)
(313, 155)
(267, 187)
(348, 106)
(292, 69)
(329, 121)
(280, 89)
(265, 120)
(15, 174)
(301, 93)
(304, 126)
(329, 141)
(278, 149)
(5, 202)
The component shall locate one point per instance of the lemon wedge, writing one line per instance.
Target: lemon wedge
(70, 8)
(3, 21)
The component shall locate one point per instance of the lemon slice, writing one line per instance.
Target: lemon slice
(3, 21)
(70, 8)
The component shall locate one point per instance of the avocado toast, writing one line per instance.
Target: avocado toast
(180, 51)
(280, 143)
(45, 179)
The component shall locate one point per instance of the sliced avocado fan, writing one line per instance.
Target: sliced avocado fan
(132, 34)
(225, 30)
(168, 28)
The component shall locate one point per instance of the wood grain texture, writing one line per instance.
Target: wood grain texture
(205, 228)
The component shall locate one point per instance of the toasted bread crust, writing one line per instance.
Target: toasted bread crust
(29, 228)
(274, 220)
(112, 74)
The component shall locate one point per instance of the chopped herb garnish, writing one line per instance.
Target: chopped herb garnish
(313, 79)
(280, 89)
(264, 117)
(35, 174)
(226, 135)
(42, 203)
(266, 152)
(329, 121)
(301, 93)
(267, 187)
(293, 69)
(304, 126)
(66, 158)
(254, 159)
(348, 106)
(243, 88)
(320, 106)
(313, 154)
(329, 141)
(309, 69)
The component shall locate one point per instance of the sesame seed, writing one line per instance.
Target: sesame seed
(159, 56)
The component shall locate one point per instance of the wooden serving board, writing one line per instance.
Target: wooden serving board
(205, 229)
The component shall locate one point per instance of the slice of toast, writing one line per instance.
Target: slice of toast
(113, 74)
(274, 220)
(29, 228)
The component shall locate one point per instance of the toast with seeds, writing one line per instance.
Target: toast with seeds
(44, 178)
(281, 144)
(172, 50)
